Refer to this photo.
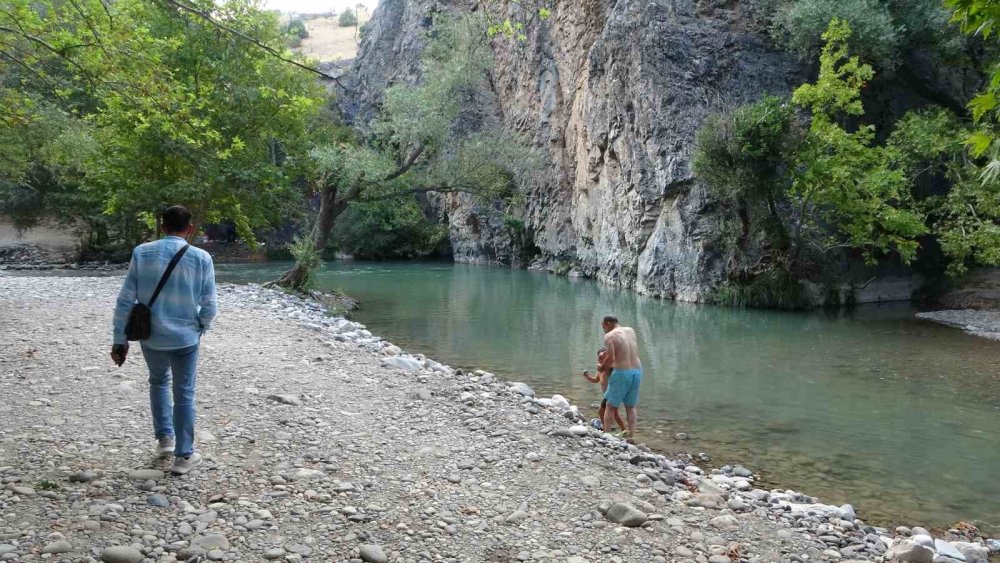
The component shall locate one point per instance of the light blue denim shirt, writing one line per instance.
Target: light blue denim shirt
(186, 305)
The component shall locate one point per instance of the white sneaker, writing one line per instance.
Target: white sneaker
(184, 464)
(166, 446)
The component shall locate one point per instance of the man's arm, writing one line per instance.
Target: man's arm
(127, 297)
(588, 377)
(209, 301)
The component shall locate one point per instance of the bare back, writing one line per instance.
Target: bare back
(622, 341)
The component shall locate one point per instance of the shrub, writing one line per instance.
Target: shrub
(297, 28)
(348, 18)
(772, 289)
(307, 258)
(388, 229)
(296, 32)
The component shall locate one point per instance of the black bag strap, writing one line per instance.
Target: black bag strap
(166, 274)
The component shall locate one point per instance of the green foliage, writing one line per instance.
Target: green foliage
(308, 258)
(508, 19)
(842, 176)
(772, 289)
(742, 156)
(146, 103)
(297, 28)
(969, 223)
(841, 189)
(296, 31)
(348, 18)
(883, 29)
(423, 142)
(388, 229)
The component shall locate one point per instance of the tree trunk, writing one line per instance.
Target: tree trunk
(329, 210)
(744, 213)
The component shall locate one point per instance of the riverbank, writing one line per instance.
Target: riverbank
(977, 322)
(321, 439)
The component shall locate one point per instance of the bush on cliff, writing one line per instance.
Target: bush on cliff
(883, 30)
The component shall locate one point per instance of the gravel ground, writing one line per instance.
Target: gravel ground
(977, 322)
(325, 443)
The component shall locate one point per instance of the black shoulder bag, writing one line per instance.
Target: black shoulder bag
(140, 320)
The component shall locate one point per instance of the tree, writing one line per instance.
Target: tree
(348, 18)
(970, 227)
(842, 175)
(882, 30)
(434, 137)
(842, 190)
(184, 101)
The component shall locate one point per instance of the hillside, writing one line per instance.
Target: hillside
(328, 41)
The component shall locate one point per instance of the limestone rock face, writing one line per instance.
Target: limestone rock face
(613, 93)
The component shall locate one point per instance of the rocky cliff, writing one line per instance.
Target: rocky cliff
(614, 93)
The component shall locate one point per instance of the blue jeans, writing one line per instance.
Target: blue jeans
(173, 418)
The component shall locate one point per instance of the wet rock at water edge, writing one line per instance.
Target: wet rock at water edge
(521, 389)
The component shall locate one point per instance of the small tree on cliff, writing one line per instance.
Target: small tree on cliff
(429, 138)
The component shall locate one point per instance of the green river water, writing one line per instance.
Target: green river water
(897, 416)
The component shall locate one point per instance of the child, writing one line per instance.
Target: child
(602, 378)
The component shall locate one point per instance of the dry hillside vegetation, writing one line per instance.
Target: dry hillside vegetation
(328, 41)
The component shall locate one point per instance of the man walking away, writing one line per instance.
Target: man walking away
(180, 314)
(626, 373)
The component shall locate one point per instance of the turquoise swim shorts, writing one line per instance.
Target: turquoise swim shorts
(623, 387)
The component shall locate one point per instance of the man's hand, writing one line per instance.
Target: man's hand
(118, 353)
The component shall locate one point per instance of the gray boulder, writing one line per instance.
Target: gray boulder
(909, 551)
(626, 515)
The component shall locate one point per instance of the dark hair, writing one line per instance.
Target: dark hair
(176, 219)
(611, 319)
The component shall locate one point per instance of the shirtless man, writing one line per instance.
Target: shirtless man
(626, 372)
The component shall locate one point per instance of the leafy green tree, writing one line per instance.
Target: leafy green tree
(970, 224)
(842, 176)
(841, 189)
(428, 138)
(184, 101)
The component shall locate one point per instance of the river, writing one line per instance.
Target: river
(897, 416)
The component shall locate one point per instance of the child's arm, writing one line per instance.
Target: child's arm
(588, 377)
